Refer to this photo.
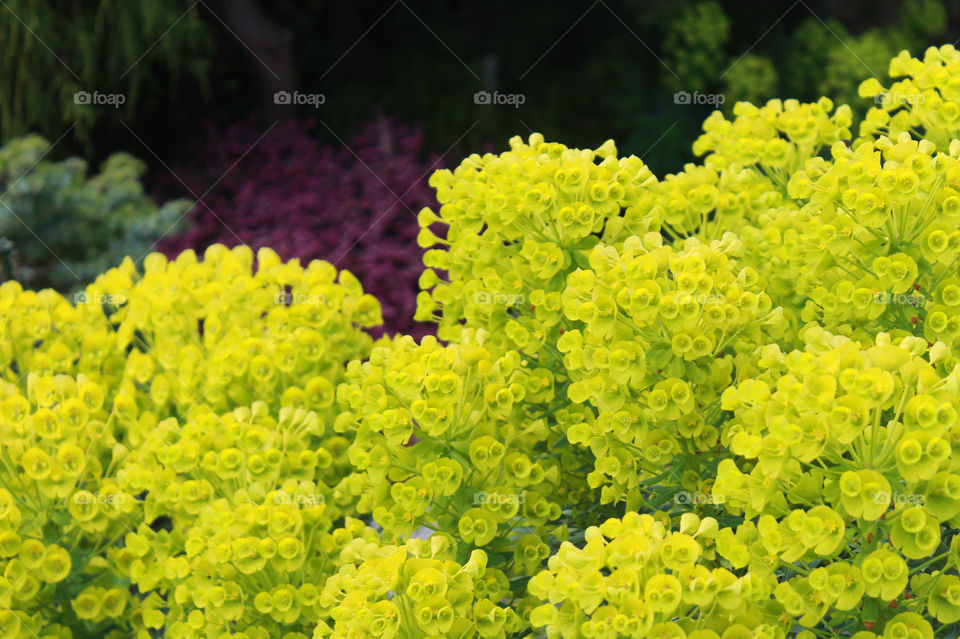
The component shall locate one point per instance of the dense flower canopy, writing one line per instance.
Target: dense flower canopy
(720, 404)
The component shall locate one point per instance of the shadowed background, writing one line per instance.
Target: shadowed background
(312, 127)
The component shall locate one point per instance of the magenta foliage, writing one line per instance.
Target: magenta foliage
(312, 201)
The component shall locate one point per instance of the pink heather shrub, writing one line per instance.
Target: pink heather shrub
(311, 201)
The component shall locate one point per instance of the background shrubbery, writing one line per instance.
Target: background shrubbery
(621, 62)
(178, 65)
(354, 206)
(60, 228)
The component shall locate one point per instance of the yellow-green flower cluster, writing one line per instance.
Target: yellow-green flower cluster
(753, 157)
(924, 99)
(637, 577)
(845, 451)
(661, 326)
(741, 184)
(43, 333)
(775, 139)
(249, 570)
(515, 226)
(883, 417)
(214, 333)
(707, 201)
(252, 496)
(127, 504)
(415, 589)
(881, 239)
(60, 503)
(186, 467)
(456, 439)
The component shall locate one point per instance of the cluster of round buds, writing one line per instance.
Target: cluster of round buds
(881, 238)
(706, 202)
(251, 568)
(96, 603)
(853, 592)
(776, 139)
(924, 99)
(883, 415)
(59, 500)
(516, 223)
(837, 589)
(769, 544)
(742, 184)
(772, 247)
(182, 467)
(635, 577)
(214, 333)
(417, 589)
(861, 438)
(247, 495)
(453, 438)
(658, 328)
(43, 333)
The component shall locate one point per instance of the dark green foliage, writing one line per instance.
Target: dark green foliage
(56, 48)
(59, 228)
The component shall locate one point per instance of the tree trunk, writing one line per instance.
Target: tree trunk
(269, 46)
